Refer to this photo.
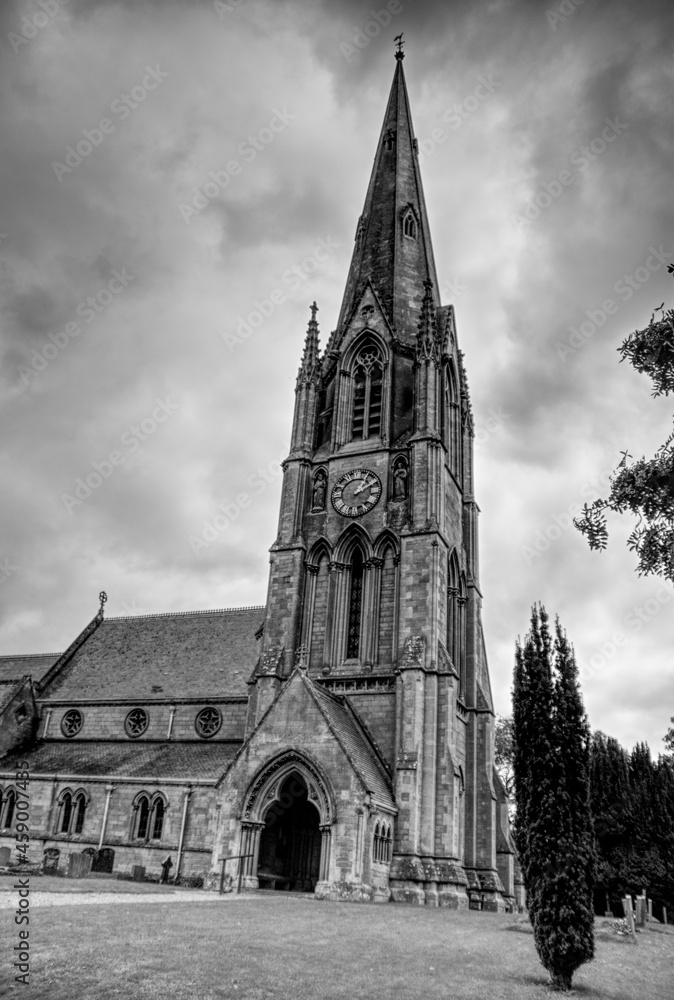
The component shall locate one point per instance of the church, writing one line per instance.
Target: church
(340, 739)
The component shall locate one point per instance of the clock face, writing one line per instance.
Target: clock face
(356, 492)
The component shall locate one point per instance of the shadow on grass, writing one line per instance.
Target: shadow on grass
(542, 981)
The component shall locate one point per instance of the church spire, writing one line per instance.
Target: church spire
(393, 243)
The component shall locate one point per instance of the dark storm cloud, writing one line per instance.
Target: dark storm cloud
(551, 416)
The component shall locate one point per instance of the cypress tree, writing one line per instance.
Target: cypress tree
(552, 774)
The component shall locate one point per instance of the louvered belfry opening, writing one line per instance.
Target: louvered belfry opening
(367, 394)
(355, 606)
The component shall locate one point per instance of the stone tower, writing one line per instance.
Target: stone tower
(374, 591)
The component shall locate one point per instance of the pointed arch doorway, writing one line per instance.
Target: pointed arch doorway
(290, 842)
(286, 826)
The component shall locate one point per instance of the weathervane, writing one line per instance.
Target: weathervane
(400, 43)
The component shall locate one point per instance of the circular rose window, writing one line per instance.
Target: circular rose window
(208, 721)
(136, 722)
(72, 722)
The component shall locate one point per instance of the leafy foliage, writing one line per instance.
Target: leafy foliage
(503, 752)
(646, 487)
(669, 742)
(553, 825)
(633, 808)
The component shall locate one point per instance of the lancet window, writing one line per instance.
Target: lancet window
(451, 420)
(148, 817)
(382, 843)
(7, 808)
(355, 606)
(368, 377)
(72, 809)
(456, 616)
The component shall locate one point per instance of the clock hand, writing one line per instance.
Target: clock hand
(361, 488)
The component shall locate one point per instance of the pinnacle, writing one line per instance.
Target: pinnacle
(309, 367)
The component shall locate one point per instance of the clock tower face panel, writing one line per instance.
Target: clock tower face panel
(356, 492)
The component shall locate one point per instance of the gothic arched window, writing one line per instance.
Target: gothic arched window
(451, 420)
(388, 844)
(382, 843)
(158, 819)
(143, 817)
(453, 626)
(148, 817)
(410, 226)
(71, 813)
(8, 814)
(355, 605)
(368, 378)
(80, 811)
(66, 812)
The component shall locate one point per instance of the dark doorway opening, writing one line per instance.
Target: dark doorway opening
(290, 844)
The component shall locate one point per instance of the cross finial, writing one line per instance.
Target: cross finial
(102, 598)
(400, 43)
(314, 310)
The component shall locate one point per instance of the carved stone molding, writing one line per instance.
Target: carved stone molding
(407, 761)
(413, 652)
(358, 685)
(271, 777)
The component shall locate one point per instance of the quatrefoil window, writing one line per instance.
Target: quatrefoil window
(136, 722)
(208, 722)
(72, 722)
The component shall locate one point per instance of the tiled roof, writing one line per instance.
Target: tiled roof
(7, 691)
(196, 654)
(36, 664)
(358, 747)
(129, 760)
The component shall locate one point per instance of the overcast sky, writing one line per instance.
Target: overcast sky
(231, 143)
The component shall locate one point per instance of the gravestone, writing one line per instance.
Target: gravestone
(93, 854)
(649, 915)
(629, 916)
(104, 860)
(641, 911)
(5, 856)
(50, 859)
(664, 915)
(138, 873)
(79, 865)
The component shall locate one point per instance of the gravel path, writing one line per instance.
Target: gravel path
(9, 900)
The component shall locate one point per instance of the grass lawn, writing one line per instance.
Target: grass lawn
(55, 883)
(298, 949)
